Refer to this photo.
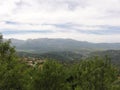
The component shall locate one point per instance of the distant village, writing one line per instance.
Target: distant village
(33, 61)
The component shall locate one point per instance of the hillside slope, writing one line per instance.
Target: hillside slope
(45, 45)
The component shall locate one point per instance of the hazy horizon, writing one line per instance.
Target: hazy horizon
(63, 39)
(95, 21)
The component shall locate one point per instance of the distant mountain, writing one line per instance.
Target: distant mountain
(66, 49)
(45, 45)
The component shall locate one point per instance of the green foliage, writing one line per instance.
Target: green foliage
(11, 68)
(91, 74)
(50, 77)
(113, 54)
(95, 74)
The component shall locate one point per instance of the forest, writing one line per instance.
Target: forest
(94, 73)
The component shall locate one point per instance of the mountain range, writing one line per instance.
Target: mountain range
(45, 45)
(66, 49)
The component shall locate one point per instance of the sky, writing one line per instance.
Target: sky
(83, 20)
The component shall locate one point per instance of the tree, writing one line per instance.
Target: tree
(11, 68)
(91, 74)
(50, 77)
(95, 74)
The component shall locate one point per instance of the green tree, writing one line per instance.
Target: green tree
(12, 70)
(95, 74)
(51, 76)
(91, 74)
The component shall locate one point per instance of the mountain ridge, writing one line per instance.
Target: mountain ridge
(44, 45)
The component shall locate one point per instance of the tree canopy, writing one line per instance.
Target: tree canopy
(91, 74)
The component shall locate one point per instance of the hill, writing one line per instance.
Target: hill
(45, 45)
(114, 55)
(66, 49)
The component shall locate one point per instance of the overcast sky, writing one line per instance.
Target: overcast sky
(84, 20)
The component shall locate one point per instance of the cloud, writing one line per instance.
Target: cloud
(95, 19)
